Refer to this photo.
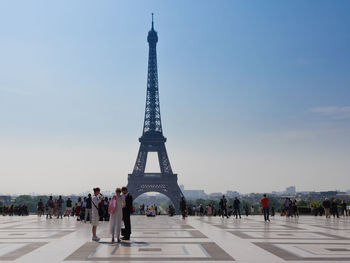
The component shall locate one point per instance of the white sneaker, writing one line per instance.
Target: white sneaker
(95, 239)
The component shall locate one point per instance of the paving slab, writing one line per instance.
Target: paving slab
(172, 239)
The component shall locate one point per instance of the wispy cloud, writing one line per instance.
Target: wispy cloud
(332, 112)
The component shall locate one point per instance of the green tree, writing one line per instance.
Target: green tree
(29, 201)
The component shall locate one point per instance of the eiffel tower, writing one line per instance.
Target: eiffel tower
(152, 140)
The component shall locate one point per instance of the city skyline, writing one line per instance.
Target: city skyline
(255, 94)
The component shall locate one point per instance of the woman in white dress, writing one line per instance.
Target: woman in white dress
(116, 214)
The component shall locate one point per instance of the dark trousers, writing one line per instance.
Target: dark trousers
(224, 212)
(127, 232)
(266, 214)
(237, 212)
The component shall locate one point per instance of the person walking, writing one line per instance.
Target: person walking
(127, 211)
(265, 207)
(183, 207)
(327, 206)
(236, 208)
(115, 211)
(287, 207)
(94, 213)
(223, 206)
(88, 208)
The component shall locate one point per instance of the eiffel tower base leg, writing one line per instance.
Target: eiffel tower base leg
(167, 185)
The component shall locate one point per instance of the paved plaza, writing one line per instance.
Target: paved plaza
(171, 239)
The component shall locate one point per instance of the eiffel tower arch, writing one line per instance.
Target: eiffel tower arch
(152, 140)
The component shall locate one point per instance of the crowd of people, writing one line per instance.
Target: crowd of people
(289, 208)
(223, 209)
(331, 208)
(94, 209)
(15, 210)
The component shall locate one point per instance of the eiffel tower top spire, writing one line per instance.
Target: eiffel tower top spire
(152, 22)
(152, 127)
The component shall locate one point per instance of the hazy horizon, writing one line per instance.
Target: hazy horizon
(255, 96)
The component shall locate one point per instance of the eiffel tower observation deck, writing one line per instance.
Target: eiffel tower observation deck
(152, 139)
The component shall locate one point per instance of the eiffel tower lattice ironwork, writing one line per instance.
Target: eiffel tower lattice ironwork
(152, 140)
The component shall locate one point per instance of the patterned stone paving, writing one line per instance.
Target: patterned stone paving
(166, 239)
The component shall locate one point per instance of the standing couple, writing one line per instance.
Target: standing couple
(120, 208)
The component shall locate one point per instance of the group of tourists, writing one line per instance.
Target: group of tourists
(119, 209)
(54, 207)
(15, 210)
(149, 210)
(331, 208)
(289, 208)
(81, 209)
(223, 210)
(93, 209)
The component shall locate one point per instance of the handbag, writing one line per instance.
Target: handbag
(112, 205)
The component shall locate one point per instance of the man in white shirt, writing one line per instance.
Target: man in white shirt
(95, 217)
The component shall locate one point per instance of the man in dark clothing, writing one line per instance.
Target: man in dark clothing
(334, 208)
(183, 207)
(49, 207)
(223, 206)
(327, 206)
(68, 207)
(127, 211)
(236, 208)
(60, 202)
(88, 209)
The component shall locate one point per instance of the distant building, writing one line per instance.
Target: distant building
(214, 196)
(291, 190)
(193, 194)
(5, 199)
(232, 194)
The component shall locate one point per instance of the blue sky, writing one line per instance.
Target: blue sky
(254, 93)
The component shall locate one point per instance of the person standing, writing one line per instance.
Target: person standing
(183, 207)
(88, 208)
(115, 211)
(223, 206)
(236, 208)
(246, 209)
(78, 208)
(49, 207)
(252, 210)
(334, 208)
(94, 213)
(60, 202)
(68, 207)
(343, 208)
(265, 207)
(40, 207)
(272, 211)
(287, 206)
(127, 210)
(327, 206)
